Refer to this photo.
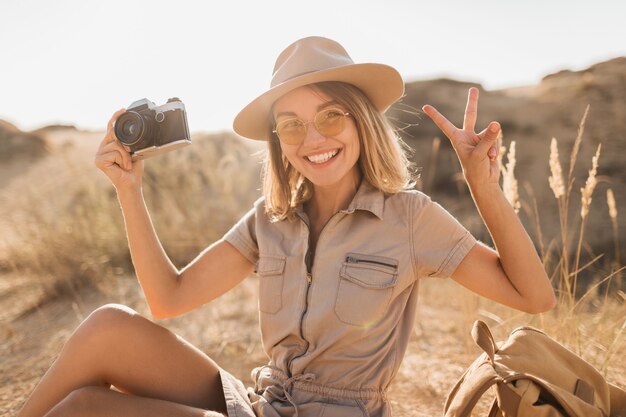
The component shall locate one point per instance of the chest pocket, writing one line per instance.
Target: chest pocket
(366, 285)
(271, 271)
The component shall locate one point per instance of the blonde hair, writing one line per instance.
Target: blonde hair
(383, 160)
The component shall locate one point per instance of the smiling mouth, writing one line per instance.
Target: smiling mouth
(323, 157)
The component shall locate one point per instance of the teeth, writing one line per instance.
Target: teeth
(321, 158)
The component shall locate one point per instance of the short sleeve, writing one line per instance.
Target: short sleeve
(440, 241)
(243, 235)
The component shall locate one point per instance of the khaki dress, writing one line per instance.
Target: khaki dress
(336, 327)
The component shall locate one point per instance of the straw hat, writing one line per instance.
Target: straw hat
(311, 60)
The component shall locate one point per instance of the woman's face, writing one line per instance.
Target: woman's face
(325, 161)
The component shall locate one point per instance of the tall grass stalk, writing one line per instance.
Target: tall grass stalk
(558, 188)
(509, 182)
(612, 206)
(586, 193)
(563, 195)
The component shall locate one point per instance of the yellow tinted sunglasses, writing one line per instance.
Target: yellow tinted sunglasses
(328, 122)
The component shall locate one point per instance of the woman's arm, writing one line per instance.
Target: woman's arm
(169, 292)
(512, 274)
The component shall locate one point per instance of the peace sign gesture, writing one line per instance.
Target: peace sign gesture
(477, 152)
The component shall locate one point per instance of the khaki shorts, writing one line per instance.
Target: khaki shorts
(312, 399)
(236, 396)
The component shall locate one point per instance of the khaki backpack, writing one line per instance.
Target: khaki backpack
(534, 376)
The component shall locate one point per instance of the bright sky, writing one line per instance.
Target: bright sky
(77, 61)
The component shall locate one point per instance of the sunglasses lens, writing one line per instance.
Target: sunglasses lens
(330, 122)
(291, 131)
(327, 122)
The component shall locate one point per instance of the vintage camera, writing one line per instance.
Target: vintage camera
(151, 130)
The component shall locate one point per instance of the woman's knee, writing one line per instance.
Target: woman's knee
(111, 313)
(110, 320)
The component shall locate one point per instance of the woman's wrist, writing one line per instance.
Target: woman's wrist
(129, 192)
(485, 191)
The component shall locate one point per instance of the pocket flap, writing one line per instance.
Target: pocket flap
(270, 265)
(370, 271)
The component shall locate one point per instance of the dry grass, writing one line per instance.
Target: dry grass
(591, 322)
(68, 231)
(509, 182)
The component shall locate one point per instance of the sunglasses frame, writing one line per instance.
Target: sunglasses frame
(306, 124)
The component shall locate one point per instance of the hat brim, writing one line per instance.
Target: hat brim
(382, 84)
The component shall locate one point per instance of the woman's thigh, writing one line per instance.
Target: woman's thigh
(103, 402)
(143, 358)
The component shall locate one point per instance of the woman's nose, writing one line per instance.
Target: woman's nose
(313, 136)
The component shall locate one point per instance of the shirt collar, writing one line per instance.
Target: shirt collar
(367, 197)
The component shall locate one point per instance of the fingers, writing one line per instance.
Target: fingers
(442, 123)
(471, 110)
(485, 142)
(114, 118)
(487, 147)
(111, 151)
(495, 150)
(105, 161)
(110, 134)
(116, 146)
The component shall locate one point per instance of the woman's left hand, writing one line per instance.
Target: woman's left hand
(477, 152)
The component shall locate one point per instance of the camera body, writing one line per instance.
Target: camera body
(151, 130)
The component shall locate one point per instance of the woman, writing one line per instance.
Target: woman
(339, 244)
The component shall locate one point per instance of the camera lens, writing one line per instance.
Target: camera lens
(130, 128)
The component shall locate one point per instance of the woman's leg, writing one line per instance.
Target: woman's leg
(116, 346)
(103, 402)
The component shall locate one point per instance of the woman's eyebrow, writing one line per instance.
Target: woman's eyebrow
(327, 104)
(320, 107)
(285, 113)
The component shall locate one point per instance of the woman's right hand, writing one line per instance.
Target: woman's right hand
(113, 158)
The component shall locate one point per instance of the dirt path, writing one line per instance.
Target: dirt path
(227, 330)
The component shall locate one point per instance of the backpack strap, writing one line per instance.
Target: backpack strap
(477, 379)
(509, 400)
(495, 410)
(618, 401)
(462, 401)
